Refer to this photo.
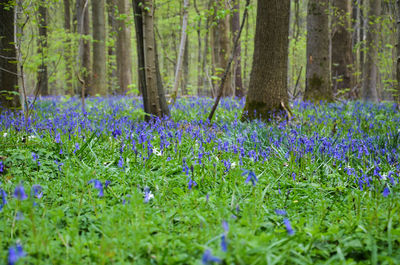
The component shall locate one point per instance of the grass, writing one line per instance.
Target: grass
(333, 170)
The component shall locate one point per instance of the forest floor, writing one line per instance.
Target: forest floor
(103, 187)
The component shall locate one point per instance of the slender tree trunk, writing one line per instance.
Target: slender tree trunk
(369, 90)
(67, 48)
(199, 44)
(185, 69)
(124, 56)
(237, 71)
(42, 49)
(397, 98)
(318, 85)
(342, 58)
(268, 93)
(111, 58)
(83, 59)
(205, 91)
(8, 69)
(99, 75)
(178, 70)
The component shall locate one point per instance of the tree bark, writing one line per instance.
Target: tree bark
(237, 71)
(67, 48)
(99, 74)
(397, 98)
(182, 46)
(8, 69)
(221, 47)
(185, 69)
(342, 58)
(83, 59)
(318, 85)
(369, 90)
(42, 47)
(154, 101)
(124, 55)
(111, 53)
(267, 94)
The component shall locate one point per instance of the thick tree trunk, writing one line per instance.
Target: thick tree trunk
(221, 46)
(154, 101)
(42, 80)
(342, 58)
(8, 69)
(83, 59)
(111, 54)
(67, 48)
(267, 93)
(124, 56)
(237, 70)
(99, 74)
(369, 90)
(318, 85)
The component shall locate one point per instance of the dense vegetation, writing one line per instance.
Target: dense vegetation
(105, 187)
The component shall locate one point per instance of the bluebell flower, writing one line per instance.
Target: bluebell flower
(58, 138)
(121, 162)
(37, 191)
(19, 193)
(14, 254)
(1, 167)
(106, 183)
(3, 195)
(386, 192)
(294, 176)
(147, 195)
(191, 183)
(225, 226)
(280, 212)
(208, 258)
(97, 185)
(289, 228)
(251, 176)
(19, 216)
(224, 244)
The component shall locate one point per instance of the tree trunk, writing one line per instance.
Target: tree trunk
(150, 84)
(42, 47)
(221, 47)
(204, 91)
(182, 47)
(318, 85)
(369, 90)
(267, 93)
(124, 56)
(83, 59)
(397, 98)
(342, 58)
(199, 44)
(8, 69)
(99, 75)
(67, 48)
(237, 70)
(185, 69)
(111, 54)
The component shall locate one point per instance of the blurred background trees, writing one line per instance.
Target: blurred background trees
(87, 47)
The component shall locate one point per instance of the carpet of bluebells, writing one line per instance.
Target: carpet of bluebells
(105, 187)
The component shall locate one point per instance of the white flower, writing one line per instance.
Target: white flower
(156, 152)
(30, 137)
(5, 135)
(233, 165)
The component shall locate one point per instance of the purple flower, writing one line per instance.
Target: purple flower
(147, 195)
(251, 176)
(386, 192)
(191, 183)
(121, 162)
(225, 226)
(37, 191)
(58, 138)
(3, 195)
(289, 228)
(224, 244)
(280, 212)
(97, 185)
(106, 183)
(208, 258)
(1, 167)
(19, 193)
(19, 216)
(14, 254)
(294, 176)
